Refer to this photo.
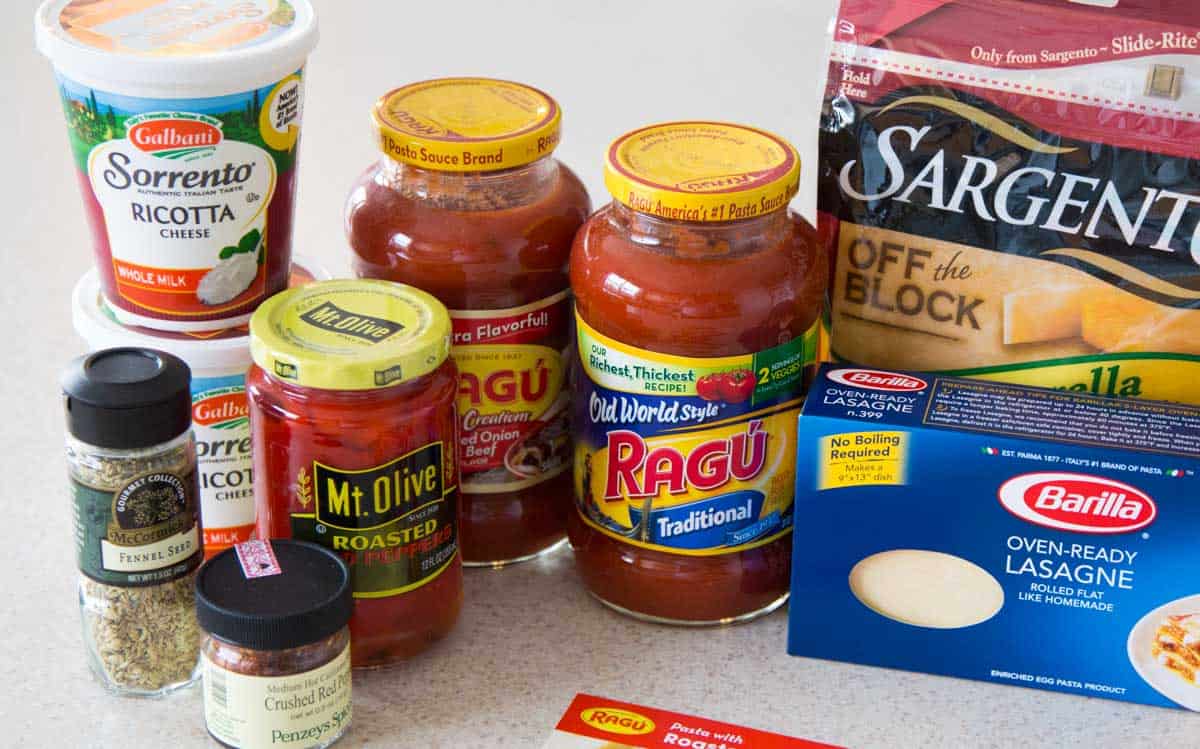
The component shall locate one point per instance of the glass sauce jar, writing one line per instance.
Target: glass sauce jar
(699, 300)
(468, 204)
(352, 422)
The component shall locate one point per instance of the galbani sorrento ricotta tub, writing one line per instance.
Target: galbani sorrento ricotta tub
(220, 415)
(184, 120)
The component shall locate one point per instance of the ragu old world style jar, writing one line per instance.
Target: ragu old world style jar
(352, 427)
(698, 306)
(468, 203)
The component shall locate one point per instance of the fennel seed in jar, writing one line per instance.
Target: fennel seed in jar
(132, 465)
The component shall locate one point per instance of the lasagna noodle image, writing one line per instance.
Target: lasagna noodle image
(1008, 190)
(1177, 646)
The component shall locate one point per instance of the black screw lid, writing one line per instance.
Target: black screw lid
(128, 398)
(308, 601)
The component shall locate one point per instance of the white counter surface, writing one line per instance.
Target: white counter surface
(530, 637)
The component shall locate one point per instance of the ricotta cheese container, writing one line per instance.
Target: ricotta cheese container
(1000, 532)
(183, 120)
(220, 414)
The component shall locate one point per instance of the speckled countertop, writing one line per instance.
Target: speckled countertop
(530, 637)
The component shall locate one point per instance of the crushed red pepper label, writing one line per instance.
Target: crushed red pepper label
(395, 524)
(514, 428)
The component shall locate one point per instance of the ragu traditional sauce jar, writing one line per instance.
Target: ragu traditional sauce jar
(184, 125)
(699, 300)
(352, 422)
(468, 203)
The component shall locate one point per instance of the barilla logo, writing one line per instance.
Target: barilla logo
(1078, 503)
(168, 136)
(616, 720)
(223, 409)
(873, 379)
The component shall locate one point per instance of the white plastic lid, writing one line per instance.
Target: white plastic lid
(176, 48)
(217, 353)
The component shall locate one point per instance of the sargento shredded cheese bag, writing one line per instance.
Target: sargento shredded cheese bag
(1010, 190)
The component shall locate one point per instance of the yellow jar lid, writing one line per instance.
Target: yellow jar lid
(702, 171)
(467, 124)
(350, 334)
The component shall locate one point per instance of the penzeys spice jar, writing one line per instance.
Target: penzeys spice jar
(468, 202)
(352, 431)
(135, 502)
(276, 652)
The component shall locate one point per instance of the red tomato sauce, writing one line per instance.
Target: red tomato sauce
(713, 310)
(493, 246)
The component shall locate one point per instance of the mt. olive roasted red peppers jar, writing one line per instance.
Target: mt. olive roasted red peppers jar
(352, 423)
(699, 300)
(468, 204)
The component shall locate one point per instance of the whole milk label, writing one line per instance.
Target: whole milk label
(685, 455)
(395, 524)
(182, 195)
(221, 423)
(147, 532)
(307, 709)
(514, 424)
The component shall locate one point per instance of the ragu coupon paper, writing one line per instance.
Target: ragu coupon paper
(1008, 191)
(600, 723)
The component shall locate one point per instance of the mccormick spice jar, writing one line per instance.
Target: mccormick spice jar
(468, 203)
(699, 300)
(184, 121)
(276, 645)
(220, 414)
(352, 425)
(132, 463)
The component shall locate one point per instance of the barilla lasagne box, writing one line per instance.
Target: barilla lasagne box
(1017, 535)
(601, 723)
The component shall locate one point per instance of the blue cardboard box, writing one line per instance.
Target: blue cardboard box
(989, 531)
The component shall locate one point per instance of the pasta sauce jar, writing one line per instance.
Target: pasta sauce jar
(469, 204)
(699, 304)
(352, 426)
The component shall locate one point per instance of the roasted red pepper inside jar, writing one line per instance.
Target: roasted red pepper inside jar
(719, 321)
(484, 221)
(367, 471)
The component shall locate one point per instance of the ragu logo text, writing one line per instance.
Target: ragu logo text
(643, 472)
(159, 136)
(506, 386)
(874, 379)
(618, 721)
(1078, 503)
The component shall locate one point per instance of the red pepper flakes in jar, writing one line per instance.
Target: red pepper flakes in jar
(698, 308)
(469, 204)
(353, 433)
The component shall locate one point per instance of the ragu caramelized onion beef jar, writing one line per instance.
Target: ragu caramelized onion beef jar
(1010, 191)
(184, 125)
(352, 422)
(699, 300)
(469, 204)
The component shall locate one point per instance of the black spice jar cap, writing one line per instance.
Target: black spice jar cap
(128, 398)
(308, 600)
